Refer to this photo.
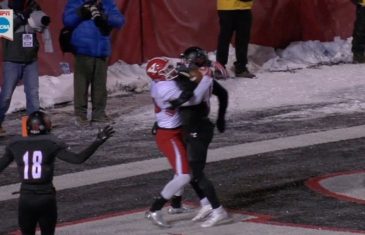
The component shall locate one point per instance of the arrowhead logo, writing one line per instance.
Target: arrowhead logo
(6, 24)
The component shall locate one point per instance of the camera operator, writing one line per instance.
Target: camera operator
(20, 56)
(91, 22)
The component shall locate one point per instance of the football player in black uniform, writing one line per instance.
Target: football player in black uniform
(199, 130)
(35, 156)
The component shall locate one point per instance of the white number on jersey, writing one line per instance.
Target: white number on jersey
(35, 165)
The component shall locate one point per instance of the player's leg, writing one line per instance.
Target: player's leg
(197, 151)
(48, 217)
(170, 144)
(27, 216)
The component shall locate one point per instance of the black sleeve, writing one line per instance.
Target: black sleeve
(78, 158)
(6, 159)
(187, 87)
(222, 96)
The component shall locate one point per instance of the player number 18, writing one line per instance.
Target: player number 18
(35, 165)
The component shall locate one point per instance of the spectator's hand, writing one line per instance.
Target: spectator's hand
(105, 133)
(94, 12)
(221, 125)
(102, 23)
(84, 12)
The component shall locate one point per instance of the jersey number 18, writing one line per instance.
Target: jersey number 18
(34, 163)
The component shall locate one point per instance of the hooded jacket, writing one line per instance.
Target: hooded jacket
(87, 39)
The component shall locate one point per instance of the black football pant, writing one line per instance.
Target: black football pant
(197, 144)
(358, 40)
(37, 208)
(238, 22)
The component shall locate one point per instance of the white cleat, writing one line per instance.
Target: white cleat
(218, 216)
(203, 213)
(157, 219)
(179, 210)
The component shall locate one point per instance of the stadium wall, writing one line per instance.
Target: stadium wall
(166, 27)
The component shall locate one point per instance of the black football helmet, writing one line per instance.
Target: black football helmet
(195, 57)
(38, 123)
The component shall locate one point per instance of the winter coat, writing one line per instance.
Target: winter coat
(234, 5)
(87, 39)
(15, 51)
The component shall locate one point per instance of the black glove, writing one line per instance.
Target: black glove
(105, 133)
(221, 125)
(183, 70)
(154, 128)
(84, 12)
(246, 0)
(102, 23)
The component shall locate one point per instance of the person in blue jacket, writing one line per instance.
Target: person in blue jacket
(92, 22)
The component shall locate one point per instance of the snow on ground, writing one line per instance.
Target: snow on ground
(303, 73)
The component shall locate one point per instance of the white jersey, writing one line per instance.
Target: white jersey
(164, 91)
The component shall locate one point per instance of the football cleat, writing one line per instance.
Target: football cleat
(218, 216)
(203, 213)
(157, 219)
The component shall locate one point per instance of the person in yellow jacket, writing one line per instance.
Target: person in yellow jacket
(234, 17)
(358, 35)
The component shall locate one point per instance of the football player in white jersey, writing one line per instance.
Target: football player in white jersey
(169, 136)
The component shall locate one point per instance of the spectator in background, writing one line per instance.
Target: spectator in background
(92, 22)
(235, 17)
(358, 35)
(20, 56)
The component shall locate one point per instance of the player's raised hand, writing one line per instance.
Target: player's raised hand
(105, 133)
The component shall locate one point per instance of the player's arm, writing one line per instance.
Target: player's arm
(187, 90)
(222, 96)
(78, 158)
(204, 80)
(199, 92)
(6, 159)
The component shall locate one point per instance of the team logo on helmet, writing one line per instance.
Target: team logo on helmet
(161, 69)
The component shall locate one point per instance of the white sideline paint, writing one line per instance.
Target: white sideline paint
(135, 224)
(349, 185)
(121, 171)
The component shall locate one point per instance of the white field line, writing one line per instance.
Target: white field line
(104, 174)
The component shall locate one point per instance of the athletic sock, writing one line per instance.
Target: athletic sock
(158, 204)
(176, 201)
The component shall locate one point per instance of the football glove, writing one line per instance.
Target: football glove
(154, 128)
(105, 133)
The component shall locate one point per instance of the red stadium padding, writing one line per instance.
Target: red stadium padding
(166, 27)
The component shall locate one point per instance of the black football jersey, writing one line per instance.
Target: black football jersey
(34, 156)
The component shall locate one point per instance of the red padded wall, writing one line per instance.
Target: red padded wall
(166, 27)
